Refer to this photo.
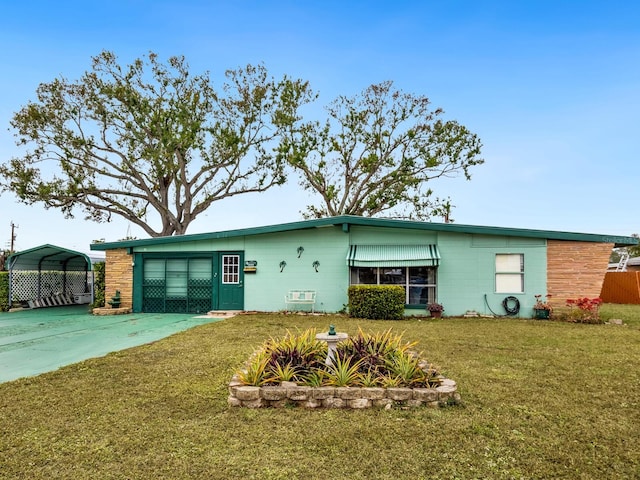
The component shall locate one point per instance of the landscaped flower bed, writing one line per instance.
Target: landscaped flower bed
(379, 370)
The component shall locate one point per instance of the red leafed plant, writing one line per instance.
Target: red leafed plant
(585, 310)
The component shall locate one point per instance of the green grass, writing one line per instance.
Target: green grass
(540, 400)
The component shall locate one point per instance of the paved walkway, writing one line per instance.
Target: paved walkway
(45, 339)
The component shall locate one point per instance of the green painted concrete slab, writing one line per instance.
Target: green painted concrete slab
(43, 340)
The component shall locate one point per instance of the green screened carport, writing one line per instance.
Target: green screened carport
(48, 276)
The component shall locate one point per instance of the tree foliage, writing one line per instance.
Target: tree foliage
(150, 142)
(632, 251)
(376, 154)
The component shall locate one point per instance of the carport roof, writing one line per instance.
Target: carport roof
(49, 257)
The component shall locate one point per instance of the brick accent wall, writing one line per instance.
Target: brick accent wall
(575, 269)
(119, 276)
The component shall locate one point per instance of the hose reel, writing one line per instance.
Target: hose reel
(511, 305)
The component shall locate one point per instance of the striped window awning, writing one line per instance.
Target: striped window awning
(393, 256)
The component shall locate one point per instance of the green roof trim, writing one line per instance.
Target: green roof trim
(344, 221)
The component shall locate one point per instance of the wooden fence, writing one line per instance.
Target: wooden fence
(621, 287)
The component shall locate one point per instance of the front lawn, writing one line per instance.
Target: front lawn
(540, 400)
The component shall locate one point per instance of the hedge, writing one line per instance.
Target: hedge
(376, 302)
(98, 285)
(4, 292)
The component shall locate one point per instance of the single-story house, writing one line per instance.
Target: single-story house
(463, 267)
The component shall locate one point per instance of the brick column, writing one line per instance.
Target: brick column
(575, 269)
(119, 276)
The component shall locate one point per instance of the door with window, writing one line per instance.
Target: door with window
(230, 282)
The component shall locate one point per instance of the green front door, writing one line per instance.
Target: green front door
(230, 282)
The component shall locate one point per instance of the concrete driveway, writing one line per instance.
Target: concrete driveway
(45, 339)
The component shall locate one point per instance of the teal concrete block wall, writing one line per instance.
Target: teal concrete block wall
(467, 266)
(466, 275)
(265, 290)
(467, 272)
(390, 236)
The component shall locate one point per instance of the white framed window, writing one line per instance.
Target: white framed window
(419, 282)
(509, 273)
(230, 269)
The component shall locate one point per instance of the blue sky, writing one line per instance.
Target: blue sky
(551, 87)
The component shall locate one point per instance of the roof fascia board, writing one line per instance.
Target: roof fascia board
(346, 221)
(488, 230)
(284, 227)
(501, 231)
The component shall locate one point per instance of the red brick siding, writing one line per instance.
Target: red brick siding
(575, 269)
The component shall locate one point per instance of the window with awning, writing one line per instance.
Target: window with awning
(410, 266)
(393, 256)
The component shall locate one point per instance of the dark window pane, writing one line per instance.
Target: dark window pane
(393, 276)
(418, 295)
(364, 275)
(422, 275)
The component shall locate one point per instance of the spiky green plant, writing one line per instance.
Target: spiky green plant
(286, 373)
(432, 376)
(362, 360)
(374, 350)
(343, 372)
(256, 372)
(364, 348)
(387, 341)
(303, 352)
(370, 379)
(406, 369)
(314, 378)
(389, 381)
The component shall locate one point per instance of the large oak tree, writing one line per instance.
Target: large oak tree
(151, 142)
(377, 153)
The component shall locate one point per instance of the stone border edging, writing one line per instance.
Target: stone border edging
(292, 394)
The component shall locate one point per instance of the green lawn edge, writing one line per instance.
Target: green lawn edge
(540, 399)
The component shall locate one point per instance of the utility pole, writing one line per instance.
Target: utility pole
(13, 235)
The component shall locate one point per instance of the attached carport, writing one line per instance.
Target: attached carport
(48, 276)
